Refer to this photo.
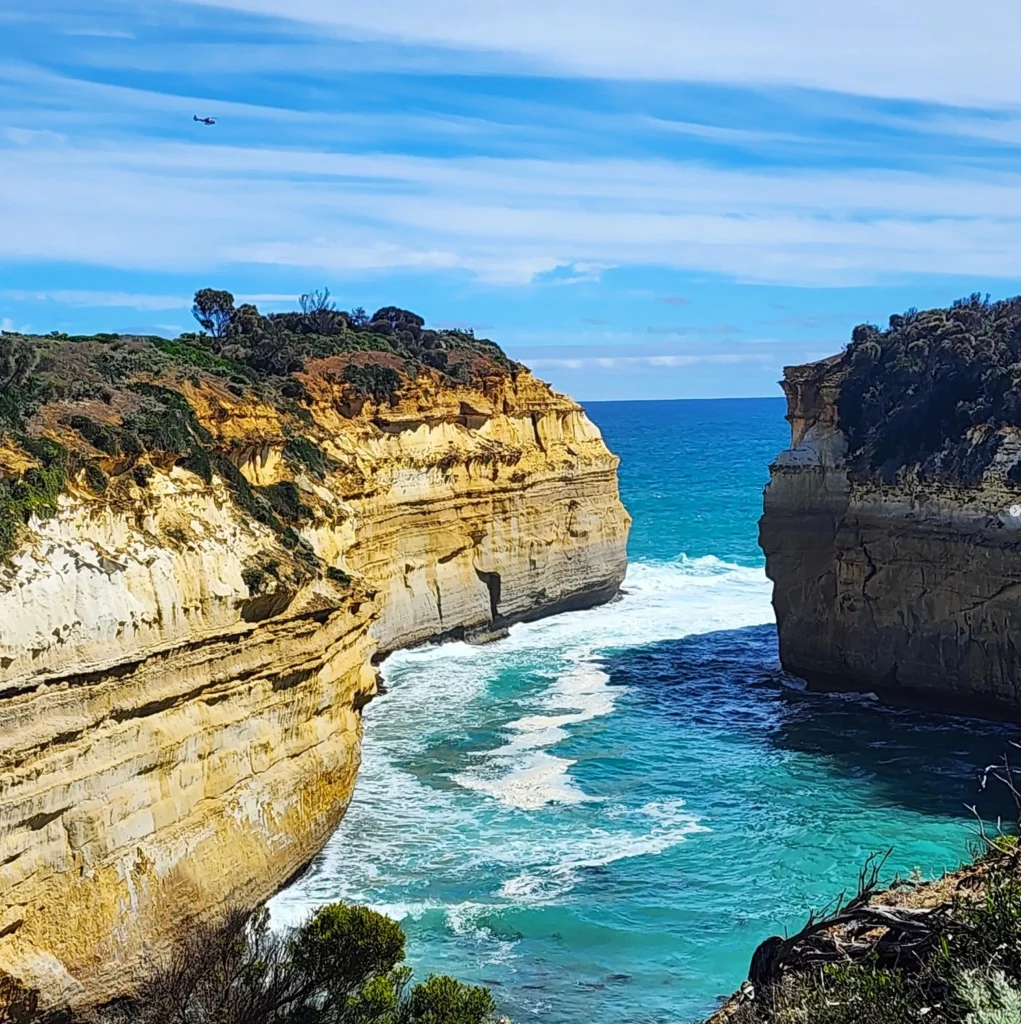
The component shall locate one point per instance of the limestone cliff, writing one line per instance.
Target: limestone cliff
(887, 529)
(186, 642)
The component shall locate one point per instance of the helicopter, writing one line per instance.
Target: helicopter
(203, 120)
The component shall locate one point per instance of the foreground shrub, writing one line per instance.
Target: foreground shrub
(960, 963)
(345, 965)
(990, 998)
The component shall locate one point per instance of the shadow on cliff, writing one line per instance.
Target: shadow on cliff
(730, 683)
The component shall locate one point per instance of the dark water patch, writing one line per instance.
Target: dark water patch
(730, 682)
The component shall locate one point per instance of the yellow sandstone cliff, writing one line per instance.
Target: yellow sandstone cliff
(180, 697)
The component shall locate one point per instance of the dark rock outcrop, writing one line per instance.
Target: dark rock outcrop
(908, 586)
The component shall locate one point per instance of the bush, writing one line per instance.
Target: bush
(165, 422)
(96, 434)
(338, 576)
(380, 383)
(345, 965)
(306, 453)
(915, 391)
(286, 501)
(34, 493)
(990, 998)
(848, 995)
(254, 578)
(95, 478)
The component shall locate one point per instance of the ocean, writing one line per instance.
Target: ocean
(602, 815)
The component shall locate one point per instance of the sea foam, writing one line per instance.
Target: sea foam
(500, 815)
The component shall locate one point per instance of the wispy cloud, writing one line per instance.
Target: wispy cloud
(164, 205)
(667, 360)
(809, 321)
(99, 33)
(112, 300)
(689, 330)
(871, 48)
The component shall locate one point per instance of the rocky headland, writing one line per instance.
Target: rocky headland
(888, 526)
(206, 544)
(892, 535)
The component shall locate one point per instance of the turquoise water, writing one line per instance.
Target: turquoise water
(602, 815)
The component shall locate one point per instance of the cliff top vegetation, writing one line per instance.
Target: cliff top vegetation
(934, 389)
(98, 408)
(247, 350)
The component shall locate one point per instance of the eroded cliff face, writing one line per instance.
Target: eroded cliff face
(180, 694)
(909, 588)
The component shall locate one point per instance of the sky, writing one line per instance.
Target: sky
(652, 199)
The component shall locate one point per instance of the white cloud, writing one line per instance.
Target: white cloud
(620, 362)
(163, 206)
(121, 300)
(7, 324)
(99, 33)
(922, 49)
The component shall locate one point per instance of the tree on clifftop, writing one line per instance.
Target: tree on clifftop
(213, 309)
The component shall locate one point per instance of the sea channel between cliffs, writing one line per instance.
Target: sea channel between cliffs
(599, 815)
(608, 810)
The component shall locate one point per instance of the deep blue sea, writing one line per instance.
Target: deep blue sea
(603, 814)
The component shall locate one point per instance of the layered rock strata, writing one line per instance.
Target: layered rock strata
(910, 589)
(179, 700)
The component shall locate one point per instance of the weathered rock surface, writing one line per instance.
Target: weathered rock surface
(179, 704)
(908, 589)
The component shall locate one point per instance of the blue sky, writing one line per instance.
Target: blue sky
(644, 200)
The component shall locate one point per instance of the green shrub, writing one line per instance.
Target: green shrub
(286, 501)
(848, 995)
(345, 965)
(34, 493)
(95, 478)
(99, 436)
(444, 1000)
(306, 453)
(186, 354)
(989, 997)
(915, 390)
(378, 382)
(197, 461)
(254, 578)
(165, 421)
(338, 576)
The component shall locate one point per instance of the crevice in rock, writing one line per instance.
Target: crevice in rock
(40, 821)
(535, 430)
(439, 600)
(156, 707)
(292, 679)
(493, 583)
(873, 569)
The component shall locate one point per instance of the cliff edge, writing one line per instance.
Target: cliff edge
(204, 545)
(887, 525)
